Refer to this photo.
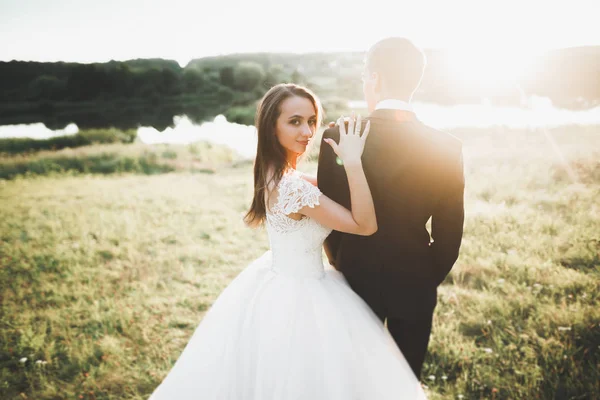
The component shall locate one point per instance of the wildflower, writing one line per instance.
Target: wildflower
(500, 281)
(38, 362)
(431, 377)
(488, 350)
(489, 321)
(460, 396)
(22, 360)
(444, 377)
(564, 328)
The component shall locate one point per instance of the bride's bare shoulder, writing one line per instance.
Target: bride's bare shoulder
(309, 178)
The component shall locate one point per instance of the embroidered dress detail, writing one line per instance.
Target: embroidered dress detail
(293, 194)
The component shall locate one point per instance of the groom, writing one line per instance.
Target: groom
(415, 173)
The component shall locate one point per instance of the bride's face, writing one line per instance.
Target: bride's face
(296, 125)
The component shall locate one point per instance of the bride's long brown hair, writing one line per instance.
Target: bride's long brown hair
(270, 154)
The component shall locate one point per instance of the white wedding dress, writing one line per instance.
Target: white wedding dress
(287, 329)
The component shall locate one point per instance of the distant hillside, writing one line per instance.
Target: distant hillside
(570, 77)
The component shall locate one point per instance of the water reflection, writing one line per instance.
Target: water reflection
(535, 113)
(241, 138)
(36, 131)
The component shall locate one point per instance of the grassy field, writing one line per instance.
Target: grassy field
(117, 158)
(105, 276)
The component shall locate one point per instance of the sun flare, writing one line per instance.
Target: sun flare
(489, 69)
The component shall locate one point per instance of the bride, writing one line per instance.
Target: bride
(286, 328)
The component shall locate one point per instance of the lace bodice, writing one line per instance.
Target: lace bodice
(295, 244)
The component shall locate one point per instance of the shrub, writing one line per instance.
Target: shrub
(83, 138)
(241, 115)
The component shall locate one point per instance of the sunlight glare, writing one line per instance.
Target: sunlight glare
(489, 68)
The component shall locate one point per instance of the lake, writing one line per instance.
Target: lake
(536, 113)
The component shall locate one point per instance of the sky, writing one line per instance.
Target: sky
(98, 31)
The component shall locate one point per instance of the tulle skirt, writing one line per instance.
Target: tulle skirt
(270, 336)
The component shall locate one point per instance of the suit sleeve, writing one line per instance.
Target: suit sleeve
(332, 181)
(448, 218)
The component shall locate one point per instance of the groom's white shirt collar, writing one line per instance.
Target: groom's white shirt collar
(393, 104)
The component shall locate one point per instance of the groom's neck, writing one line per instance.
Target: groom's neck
(396, 96)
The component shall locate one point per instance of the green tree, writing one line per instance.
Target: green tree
(248, 75)
(297, 77)
(170, 81)
(121, 80)
(226, 77)
(46, 87)
(192, 80)
(275, 75)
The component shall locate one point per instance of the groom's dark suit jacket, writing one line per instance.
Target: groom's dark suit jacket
(415, 173)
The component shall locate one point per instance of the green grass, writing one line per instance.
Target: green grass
(105, 277)
(118, 158)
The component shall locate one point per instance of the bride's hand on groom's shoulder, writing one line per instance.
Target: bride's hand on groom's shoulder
(332, 123)
(351, 143)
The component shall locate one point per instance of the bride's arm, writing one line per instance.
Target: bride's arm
(360, 220)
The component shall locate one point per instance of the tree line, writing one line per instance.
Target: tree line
(233, 83)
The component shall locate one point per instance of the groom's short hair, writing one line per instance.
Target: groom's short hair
(399, 63)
